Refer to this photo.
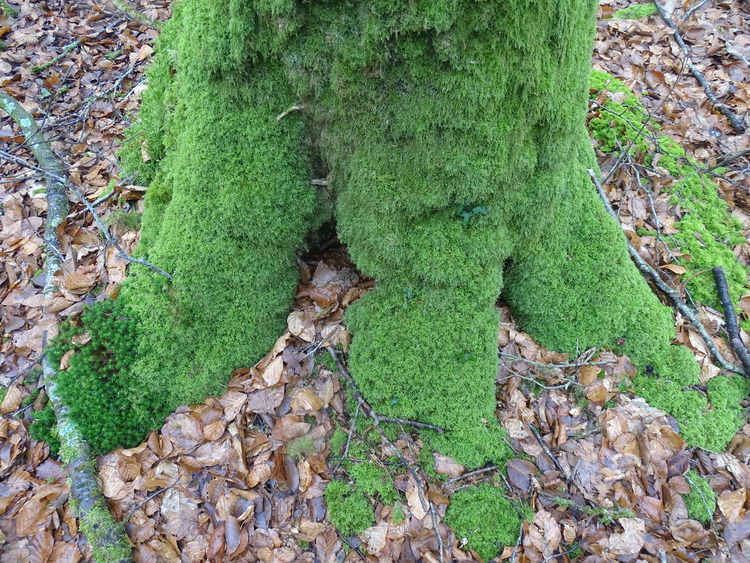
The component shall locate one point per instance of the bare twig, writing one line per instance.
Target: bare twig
(472, 473)
(547, 451)
(518, 544)
(735, 122)
(283, 114)
(727, 160)
(25, 371)
(112, 240)
(441, 545)
(349, 437)
(60, 179)
(692, 10)
(542, 364)
(733, 330)
(376, 419)
(156, 493)
(650, 273)
(412, 423)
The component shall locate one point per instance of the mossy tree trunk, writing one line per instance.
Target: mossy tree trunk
(454, 137)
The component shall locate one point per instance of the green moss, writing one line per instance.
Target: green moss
(301, 447)
(701, 500)
(707, 421)
(374, 481)
(44, 429)
(94, 525)
(708, 231)
(636, 11)
(485, 517)
(398, 515)
(120, 218)
(348, 509)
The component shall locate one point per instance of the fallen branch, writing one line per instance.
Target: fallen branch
(735, 122)
(376, 419)
(57, 59)
(733, 330)
(105, 535)
(412, 423)
(60, 178)
(651, 274)
(136, 15)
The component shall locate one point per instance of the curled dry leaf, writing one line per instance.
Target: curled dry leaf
(732, 505)
(447, 465)
(631, 540)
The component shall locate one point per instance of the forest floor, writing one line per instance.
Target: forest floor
(241, 477)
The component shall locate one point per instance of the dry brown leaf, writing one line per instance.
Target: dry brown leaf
(375, 538)
(520, 473)
(544, 533)
(180, 513)
(631, 540)
(305, 399)
(587, 374)
(12, 400)
(732, 505)
(447, 465)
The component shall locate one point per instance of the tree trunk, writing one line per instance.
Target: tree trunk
(454, 137)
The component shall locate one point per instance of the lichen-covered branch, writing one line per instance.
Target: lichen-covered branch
(671, 294)
(57, 199)
(105, 535)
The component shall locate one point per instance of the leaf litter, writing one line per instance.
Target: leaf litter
(241, 476)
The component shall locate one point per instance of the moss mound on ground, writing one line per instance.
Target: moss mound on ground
(485, 518)
(701, 500)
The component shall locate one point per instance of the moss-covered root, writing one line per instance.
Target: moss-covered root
(577, 287)
(226, 214)
(431, 357)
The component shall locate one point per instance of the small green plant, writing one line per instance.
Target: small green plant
(301, 447)
(701, 500)
(397, 514)
(130, 220)
(112, 55)
(44, 429)
(485, 518)
(467, 212)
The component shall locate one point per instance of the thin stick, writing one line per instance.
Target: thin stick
(518, 544)
(112, 240)
(376, 419)
(650, 273)
(156, 493)
(26, 370)
(547, 451)
(735, 122)
(412, 423)
(57, 59)
(542, 364)
(733, 330)
(441, 545)
(349, 437)
(105, 231)
(472, 473)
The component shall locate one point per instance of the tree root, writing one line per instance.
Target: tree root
(671, 294)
